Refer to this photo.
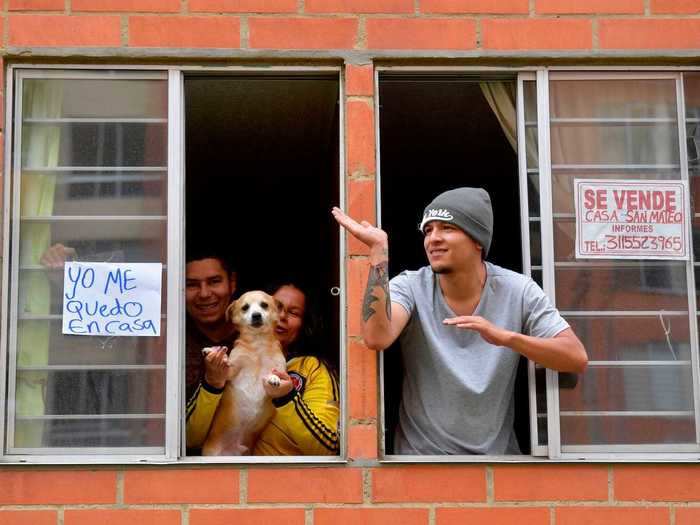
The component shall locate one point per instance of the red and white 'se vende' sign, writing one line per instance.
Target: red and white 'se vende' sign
(631, 219)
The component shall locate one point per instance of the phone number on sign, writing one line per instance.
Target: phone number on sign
(643, 242)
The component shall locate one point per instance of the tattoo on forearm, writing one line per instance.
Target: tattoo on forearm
(378, 276)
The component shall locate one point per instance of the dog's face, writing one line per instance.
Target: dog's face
(254, 309)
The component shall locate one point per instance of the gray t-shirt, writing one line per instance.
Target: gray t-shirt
(458, 389)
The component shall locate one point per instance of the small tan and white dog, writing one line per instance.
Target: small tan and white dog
(245, 408)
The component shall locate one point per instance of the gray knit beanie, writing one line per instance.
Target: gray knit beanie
(467, 208)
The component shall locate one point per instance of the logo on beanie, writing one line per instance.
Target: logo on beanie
(438, 213)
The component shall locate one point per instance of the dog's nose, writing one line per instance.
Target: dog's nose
(256, 318)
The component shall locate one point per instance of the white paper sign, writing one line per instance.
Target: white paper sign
(112, 299)
(631, 219)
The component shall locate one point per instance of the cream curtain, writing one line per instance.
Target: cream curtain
(501, 99)
(40, 149)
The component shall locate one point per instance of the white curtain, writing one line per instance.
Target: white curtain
(40, 149)
(501, 99)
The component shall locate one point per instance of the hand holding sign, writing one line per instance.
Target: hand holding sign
(112, 299)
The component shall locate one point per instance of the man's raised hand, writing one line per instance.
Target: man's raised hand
(375, 238)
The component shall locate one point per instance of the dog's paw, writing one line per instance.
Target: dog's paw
(273, 380)
(208, 350)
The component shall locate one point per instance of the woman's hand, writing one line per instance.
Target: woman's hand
(56, 256)
(281, 390)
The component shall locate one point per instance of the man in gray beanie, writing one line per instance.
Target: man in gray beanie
(463, 324)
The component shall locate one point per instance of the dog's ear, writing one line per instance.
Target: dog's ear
(230, 311)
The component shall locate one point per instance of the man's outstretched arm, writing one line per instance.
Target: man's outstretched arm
(563, 352)
(382, 320)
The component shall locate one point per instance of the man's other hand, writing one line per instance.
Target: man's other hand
(487, 330)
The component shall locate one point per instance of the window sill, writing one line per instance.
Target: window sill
(78, 460)
(567, 458)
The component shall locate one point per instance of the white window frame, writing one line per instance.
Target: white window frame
(552, 452)
(174, 447)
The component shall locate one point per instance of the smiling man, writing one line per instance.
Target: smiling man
(209, 284)
(463, 324)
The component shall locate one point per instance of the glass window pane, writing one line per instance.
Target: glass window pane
(605, 99)
(72, 351)
(594, 144)
(98, 149)
(692, 95)
(530, 97)
(645, 338)
(641, 388)
(627, 430)
(535, 243)
(654, 285)
(111, 193)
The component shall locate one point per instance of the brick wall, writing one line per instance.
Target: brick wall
(455, 25)
(401, 495)
(352, 32)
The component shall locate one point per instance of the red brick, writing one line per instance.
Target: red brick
(371, 516)
(362, 442)
(649, 34)
(657, 482)
(176, 31)
(497, 516)
(590, 6)
(181, 486)
(40, 487)
(303, 33)
(362, 381)
(305, 485)
(536, 34)
(60, 30)
(121, 516)
(475, 6)
(28, 517)
(428, 483)
(361, 207)
(358, 270)
(359, 6)
(359, 80)
(360, 138)
(275, 516)
(609, 515)
(152, 6)
(688, 7)
(244, 6)
(687, 516)
(550, 482)
(37, 5)
(425, 33)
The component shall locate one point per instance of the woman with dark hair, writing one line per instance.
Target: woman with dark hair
(307, 401)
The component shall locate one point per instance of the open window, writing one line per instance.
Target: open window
(526, 138)
(262, 171)
(437, 132)
(98, 176)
